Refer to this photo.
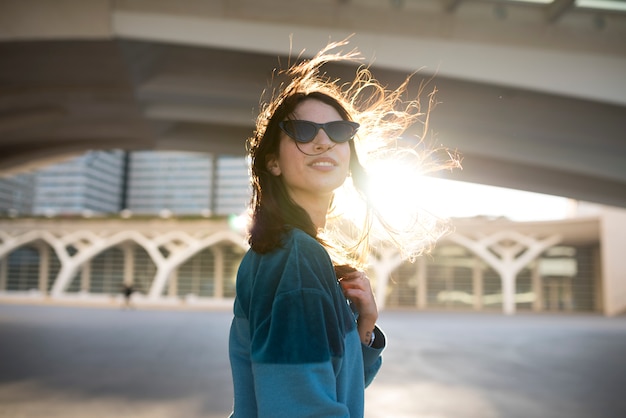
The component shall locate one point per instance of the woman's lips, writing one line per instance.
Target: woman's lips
(323, 162)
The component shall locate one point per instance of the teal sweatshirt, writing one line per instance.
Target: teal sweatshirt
(294, 346)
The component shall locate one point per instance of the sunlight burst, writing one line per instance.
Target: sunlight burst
(397, 196)
(400, 194)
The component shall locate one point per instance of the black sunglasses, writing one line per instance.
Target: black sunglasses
(304, 131)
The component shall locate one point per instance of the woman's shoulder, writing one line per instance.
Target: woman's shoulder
(308, 256)
(300, 256)
(300, 268)
(307, 250)
(298, 238)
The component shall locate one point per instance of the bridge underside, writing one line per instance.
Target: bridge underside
(135, 88)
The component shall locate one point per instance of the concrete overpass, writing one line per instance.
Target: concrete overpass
(533, 94)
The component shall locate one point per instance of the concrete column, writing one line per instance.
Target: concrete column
(85, 277)
(537, 287)
(44, 268)
(387, 261)
(218, 272)
(508, 291)
(160, 280)
(477, 284)
(172, 287)
(422, 286)
(613, 242)
(129, 264)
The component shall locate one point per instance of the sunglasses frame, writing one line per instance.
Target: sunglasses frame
(318, 126)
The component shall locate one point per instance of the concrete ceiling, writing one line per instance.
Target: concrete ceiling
(532, 95)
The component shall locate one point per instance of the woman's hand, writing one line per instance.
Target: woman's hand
(356, 287)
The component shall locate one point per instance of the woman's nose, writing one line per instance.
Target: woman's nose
(322, 140)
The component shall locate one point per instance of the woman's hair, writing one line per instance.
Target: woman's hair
(274, 211)
(384, 115)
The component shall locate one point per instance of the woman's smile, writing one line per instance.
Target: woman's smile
(323, 164)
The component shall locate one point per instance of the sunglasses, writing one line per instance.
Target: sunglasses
(304, 131)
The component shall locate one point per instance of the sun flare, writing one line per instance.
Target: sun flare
(399, 194)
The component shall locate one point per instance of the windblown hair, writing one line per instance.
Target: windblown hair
(384, 115)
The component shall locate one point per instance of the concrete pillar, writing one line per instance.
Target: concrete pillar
(508, 292)
(477, 284)
(422, 286)
(537, 287)
(129, 264)
(613, 243)
(172, 287)
(218, 271)
(44, 268)
(66, 273)
(164, 271)
(387, 261)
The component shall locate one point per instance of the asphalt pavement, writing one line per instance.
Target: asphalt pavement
(159, 363)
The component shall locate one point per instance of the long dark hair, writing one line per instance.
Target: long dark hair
(384, 116)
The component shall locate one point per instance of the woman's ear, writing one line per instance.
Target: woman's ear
(272, 165)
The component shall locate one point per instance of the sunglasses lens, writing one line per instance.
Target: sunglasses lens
(305, 131)
(300, 130)
(341, 131)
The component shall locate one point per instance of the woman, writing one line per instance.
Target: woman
(304, 340)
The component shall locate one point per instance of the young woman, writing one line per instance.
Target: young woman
(304, 340)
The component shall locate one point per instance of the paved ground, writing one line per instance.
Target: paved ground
(96, 362)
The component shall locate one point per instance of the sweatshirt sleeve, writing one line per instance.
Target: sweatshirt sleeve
(372, 356)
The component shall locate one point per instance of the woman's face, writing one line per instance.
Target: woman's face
(314, 169)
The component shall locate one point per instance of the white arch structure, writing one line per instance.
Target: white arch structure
(383, 264)
(180, 246)
(169, 244)
(167, 265)
(507, 252)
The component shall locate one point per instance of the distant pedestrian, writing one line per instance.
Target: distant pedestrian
(127, 291)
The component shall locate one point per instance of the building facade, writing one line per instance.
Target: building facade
(89, 184)
(17, 194)
(194, 261)
(186, 183)
(141, 182)
(170, 182)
